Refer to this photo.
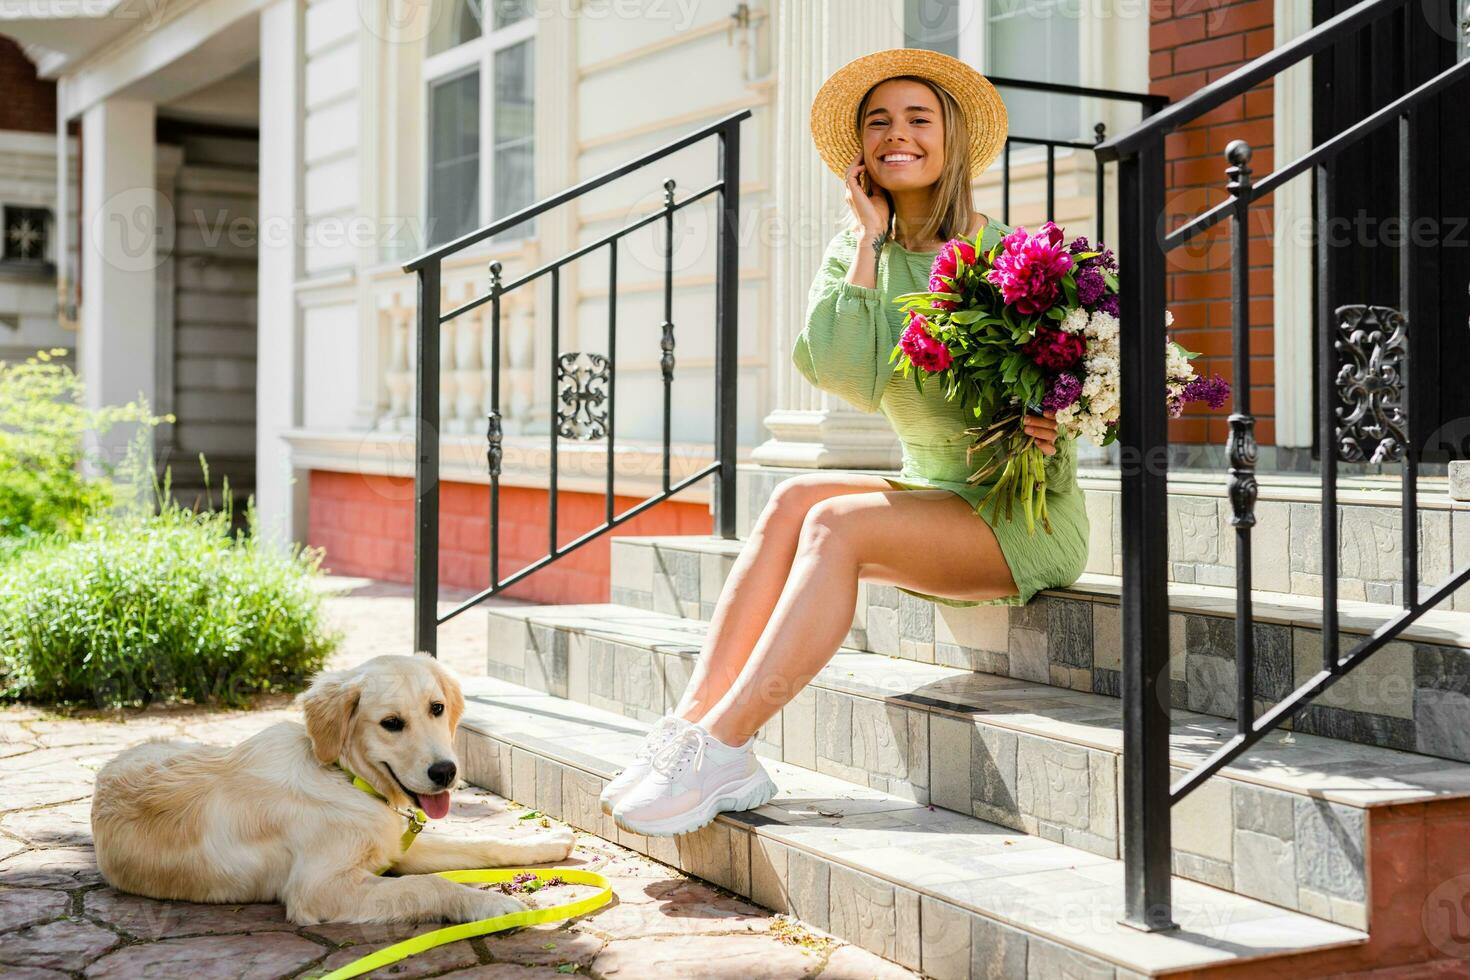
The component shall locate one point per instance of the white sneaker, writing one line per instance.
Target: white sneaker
(693, 777)
(667, 727)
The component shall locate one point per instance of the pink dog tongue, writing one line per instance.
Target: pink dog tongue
(436, 806)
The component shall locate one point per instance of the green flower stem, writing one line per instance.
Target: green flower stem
(1022, 475)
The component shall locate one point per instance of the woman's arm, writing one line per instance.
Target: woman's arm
(845, 341)
(870, 211)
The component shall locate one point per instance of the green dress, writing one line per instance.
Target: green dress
(844, 348)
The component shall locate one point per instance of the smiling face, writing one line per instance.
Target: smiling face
(902, 132)
(390, 721)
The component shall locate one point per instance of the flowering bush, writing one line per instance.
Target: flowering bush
(1032, 326)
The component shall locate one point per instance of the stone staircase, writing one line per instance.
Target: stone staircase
(950, 782)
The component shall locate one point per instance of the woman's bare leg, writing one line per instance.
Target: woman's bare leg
(925, 540)
(755, 582)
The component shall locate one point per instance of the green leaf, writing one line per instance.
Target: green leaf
(529, 815)
(1111, 278)
(966, 316)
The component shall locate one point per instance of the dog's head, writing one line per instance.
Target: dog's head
(390, 720)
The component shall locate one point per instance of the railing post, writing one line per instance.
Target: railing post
(727, 328)
(1145, 600)
(1242, 443)
(494, 430)
(426, 467)
(666, 342)
(1100, 133)
(1418, 302)
(1327, 321)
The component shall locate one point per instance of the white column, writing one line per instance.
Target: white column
(813, 39)
(280, 491)
(1293, 257)
(124, 218)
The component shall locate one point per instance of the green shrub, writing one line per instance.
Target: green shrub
(42, 488)
(159, 607)
(111, 593)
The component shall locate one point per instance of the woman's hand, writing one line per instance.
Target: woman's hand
(1043, 429)
(871, 210)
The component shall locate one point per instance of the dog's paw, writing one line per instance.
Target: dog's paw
(493, 903)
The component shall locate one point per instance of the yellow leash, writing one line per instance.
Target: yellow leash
(475, 876)
(467, 930)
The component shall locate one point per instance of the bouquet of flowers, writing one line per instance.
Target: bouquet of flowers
(1030, 327)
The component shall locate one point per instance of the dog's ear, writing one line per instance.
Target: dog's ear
(449, 684)
(329, 704)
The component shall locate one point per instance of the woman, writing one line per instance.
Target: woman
(907, 130)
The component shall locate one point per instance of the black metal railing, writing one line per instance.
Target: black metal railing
(1358, 418)
(579, 382)
(1148, 104)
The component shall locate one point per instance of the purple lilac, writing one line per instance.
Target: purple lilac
(1064, 392)
(1109, 304)
(1214, 391)
(1090, 286)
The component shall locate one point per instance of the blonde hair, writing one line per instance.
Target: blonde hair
(953, 201)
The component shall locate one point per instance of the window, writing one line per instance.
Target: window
(23, 233)
(1032, 39)
(480, 76)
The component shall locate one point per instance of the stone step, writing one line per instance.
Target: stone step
(1285, 545)
(945, 893)
(1285, 824)
(1412, 695)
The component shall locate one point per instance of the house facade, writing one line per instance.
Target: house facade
(244, 180)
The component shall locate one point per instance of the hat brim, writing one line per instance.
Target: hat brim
(834, 109)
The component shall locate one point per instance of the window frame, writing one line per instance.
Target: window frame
(477, 54)
(974, 49)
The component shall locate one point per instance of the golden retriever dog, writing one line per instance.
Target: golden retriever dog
(277, 819)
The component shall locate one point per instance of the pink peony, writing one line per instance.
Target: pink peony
(947, 263)
(1029, 268)
(922, 347)
(946, 267)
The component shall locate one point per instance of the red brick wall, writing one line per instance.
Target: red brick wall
(1194, 42)
(365, 524)
(28, 103)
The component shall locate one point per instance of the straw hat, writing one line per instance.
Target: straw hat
(834, 110)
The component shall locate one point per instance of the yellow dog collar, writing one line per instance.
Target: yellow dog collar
(417, 819)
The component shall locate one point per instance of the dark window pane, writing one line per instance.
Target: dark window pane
(454, 157)
(512, 157)
(455, 22)
(507, 12)
(1036, 40)
(932, 24)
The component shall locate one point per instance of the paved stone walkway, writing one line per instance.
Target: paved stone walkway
(59, 919)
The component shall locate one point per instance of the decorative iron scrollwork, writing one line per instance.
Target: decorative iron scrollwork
(1241, 445)
(1372, 420)
(493, 437)
(666, 346)
(582, 380)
